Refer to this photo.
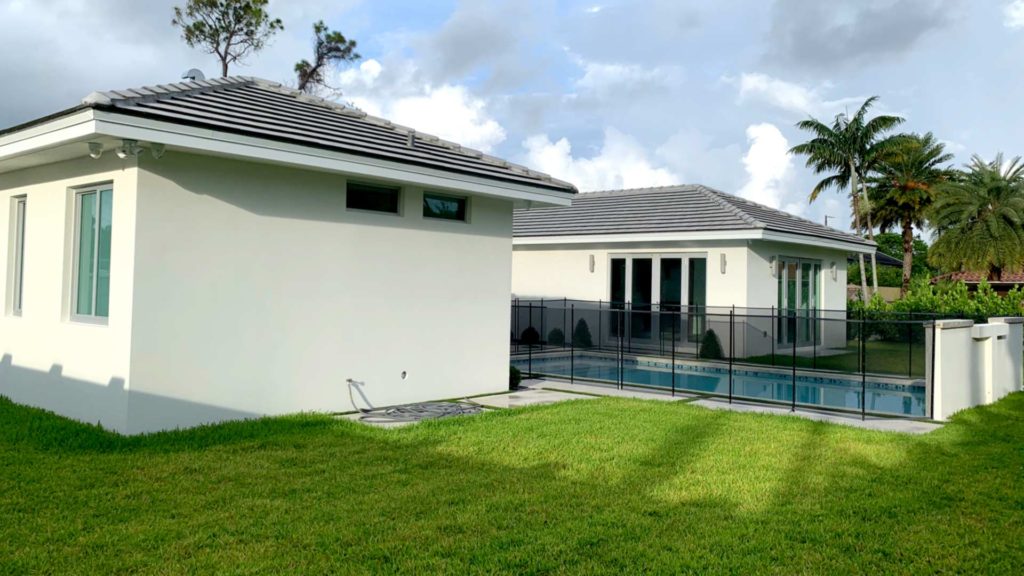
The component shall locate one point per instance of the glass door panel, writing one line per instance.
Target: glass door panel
(618, 295)
(671, 296)
(641, 285)
(697, 299)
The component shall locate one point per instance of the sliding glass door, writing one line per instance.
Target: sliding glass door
(654, 288)
(799, 283)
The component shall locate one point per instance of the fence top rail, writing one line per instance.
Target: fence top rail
(782, 314)
(559, 303)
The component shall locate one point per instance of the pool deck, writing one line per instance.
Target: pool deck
(577, 389)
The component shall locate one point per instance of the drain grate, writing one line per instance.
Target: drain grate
(419, 411)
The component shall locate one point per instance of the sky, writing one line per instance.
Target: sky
(606, 94)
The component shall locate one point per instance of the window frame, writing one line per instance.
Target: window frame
(399, 193)
(78, 193)
(19, 210)
(466, 203)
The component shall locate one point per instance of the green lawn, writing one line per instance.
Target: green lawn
(889, 358)
(607, 485)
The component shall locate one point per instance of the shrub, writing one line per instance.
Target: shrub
(710, 346)
(581, 335)
(556, 337)
(514, 377)
(530, 336)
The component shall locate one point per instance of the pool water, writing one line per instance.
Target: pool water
(829, 392)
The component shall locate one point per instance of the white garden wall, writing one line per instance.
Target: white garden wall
(972, 364)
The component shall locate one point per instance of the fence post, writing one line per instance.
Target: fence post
(673, 344)
(572, 349)
(543, 313)
(814, 340)
(793, 376)
(515, 324)
(931, 387)
(621, 351)
(732, 349)
(565, 330)
(529, 346)
(863, 370)
(910, 347)
(773, 334)
(600, 334)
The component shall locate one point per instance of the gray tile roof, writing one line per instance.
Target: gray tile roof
(261, 108)
(668, 209)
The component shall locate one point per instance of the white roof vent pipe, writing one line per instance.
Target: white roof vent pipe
(194, 74)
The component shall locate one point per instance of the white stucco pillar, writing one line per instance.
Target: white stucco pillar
(1008, 357)
(950, 368)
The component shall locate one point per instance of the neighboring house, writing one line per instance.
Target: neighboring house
(1002, 285)
(221, 249)
(688, 248)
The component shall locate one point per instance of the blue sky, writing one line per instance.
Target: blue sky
(606, 94)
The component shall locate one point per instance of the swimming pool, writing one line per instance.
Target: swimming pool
(822, 391)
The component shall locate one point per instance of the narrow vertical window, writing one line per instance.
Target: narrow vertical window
(93, 209)
(19, 253)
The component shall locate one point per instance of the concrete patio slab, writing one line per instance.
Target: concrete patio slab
(870, 423)
(529, 396)
(605, 390)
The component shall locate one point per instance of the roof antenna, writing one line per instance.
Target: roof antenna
(193, 74)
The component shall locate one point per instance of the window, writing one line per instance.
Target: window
(92, 252)
(372, 198)
(19, 252)
(444, 207)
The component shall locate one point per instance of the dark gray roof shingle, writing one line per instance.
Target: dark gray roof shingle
(256, 107)
(668, 209)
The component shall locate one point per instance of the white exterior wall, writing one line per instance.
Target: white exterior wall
(564, 272)
(77, 369)
(259, 293)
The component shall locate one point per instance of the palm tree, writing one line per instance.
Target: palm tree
(848, 150)
(979, 219)
(903, 188)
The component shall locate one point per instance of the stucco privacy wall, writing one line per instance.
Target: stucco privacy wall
(259, 293)
(77, 369)
(974, 364)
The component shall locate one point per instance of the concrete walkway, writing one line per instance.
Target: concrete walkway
(870, 423)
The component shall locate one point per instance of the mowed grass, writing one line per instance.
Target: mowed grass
(609, 485)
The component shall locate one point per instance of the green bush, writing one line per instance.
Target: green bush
(943, 300)
(710, 346)
(581, 335)
(556, 337)
(530, 336)
(514, 377)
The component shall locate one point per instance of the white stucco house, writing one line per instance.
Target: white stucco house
(210, 250)
(689, 248)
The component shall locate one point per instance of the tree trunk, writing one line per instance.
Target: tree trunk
(908, 254)
(871, 235)
(224, 67)
(856, 223)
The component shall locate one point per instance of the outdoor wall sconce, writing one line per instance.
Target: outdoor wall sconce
(591, 263)
(721, 258)
(835, 273)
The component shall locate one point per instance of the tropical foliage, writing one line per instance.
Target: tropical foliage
(847, 151)
(949, 300)
(903, 188)
(978, 219)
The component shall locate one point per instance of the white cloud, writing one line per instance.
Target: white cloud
(621, 163)
(769, 168)
(788, 95)
(602, 78)
(1013, 14)
(397, 93)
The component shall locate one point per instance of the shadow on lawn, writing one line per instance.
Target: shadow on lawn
(591, 486)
